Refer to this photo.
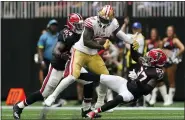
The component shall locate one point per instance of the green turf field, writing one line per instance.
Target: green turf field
(168, 114)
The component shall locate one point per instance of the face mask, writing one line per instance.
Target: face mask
(103, 23)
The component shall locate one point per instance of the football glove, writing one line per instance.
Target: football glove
(135, 43)
(132, 75)
(106, 44)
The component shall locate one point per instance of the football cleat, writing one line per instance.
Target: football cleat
(84, 114)
(91, 115)
(49, 101)
(17, 112)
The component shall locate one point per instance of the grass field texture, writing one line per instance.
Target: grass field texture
(71, 112)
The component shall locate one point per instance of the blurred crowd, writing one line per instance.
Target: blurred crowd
(118, 59)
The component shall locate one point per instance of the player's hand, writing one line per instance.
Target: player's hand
(132, 75)
(106, 44)
(135, 43)
(126, 21)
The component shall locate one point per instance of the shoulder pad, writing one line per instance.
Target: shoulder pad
(89, 22)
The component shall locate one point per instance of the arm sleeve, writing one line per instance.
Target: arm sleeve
(122, 36)
(41, 42)
(134, 54)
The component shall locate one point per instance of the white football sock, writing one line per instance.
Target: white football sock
(21, 104)
(86, 105)
(147, 97)
(154, 95)
(64, 83)
(171, 93)
(102, 90)
(163, 91)
(109, 95)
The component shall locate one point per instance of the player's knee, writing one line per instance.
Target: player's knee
(127, 97)
(54, 82)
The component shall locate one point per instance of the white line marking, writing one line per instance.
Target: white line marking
(117, 108)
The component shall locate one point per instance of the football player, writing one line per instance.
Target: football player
(61, 53)
(85, 51)
(143, 82)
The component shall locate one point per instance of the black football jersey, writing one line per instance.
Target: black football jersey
(68, 38)
(147, 76)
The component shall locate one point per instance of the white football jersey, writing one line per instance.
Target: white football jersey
(99, 32)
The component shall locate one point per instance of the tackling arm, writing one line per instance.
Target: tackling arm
(58, 48)
(88, 39)
(135, 55)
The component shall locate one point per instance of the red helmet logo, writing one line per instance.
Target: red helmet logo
(156, 57)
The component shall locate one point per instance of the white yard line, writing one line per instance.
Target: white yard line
(117, 108)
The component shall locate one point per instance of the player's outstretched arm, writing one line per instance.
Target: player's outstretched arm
(121, 35)
(88, 39)
(130, 40)
(135, 55)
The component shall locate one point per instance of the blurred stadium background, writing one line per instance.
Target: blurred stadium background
(23, 22)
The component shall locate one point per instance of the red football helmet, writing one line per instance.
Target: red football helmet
(75, 23)
(155, 57)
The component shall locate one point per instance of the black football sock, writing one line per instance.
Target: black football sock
(111, 104)
(34, 97)
(87, 92)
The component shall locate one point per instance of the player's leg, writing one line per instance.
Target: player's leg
(163, 90)
(72, 72)
(153, 96)
(50, 82)
(117, 84)
(97, 65)
(88, 88)
(171, 78)
(89, 80)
